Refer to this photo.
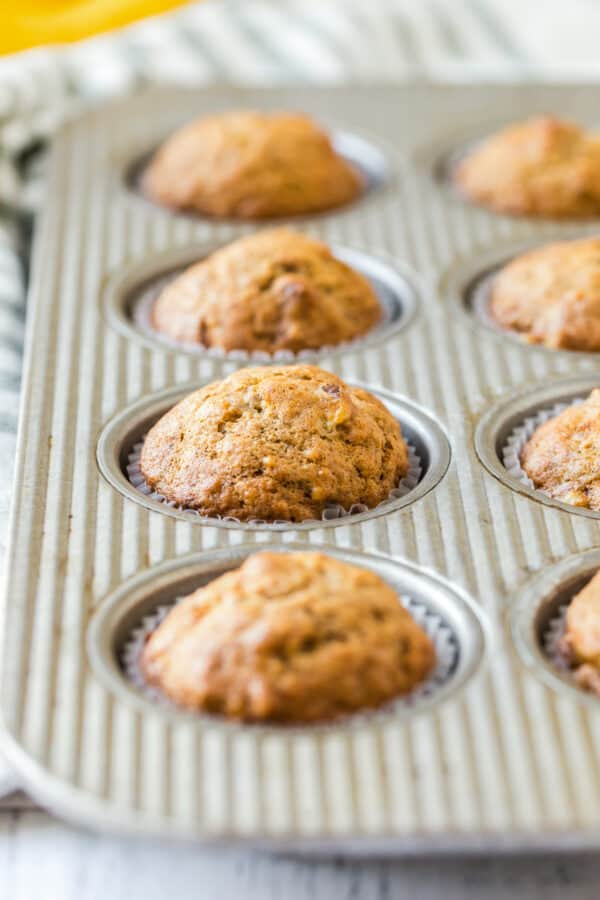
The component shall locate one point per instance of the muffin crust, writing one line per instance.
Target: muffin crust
(551, 295)
(583, 634)
(251, 165)
(541, 167)
(288, 637)
(275, 443)
(274, 290)
(562, 457)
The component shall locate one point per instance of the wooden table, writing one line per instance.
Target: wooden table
(42, 859)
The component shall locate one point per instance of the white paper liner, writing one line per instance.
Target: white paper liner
(331, 511)
(141, 311)
(447, 652)
(512, 449)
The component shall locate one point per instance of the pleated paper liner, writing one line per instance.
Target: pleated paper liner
(521, 434)
(332, 511)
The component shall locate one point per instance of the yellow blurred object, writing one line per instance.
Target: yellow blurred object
(31, 23)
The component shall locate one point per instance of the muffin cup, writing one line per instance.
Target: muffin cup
(332, 511)
(557, 651)
(515, 442)
(362, 151)
(440, 633)
(133, 295)
(478, 303)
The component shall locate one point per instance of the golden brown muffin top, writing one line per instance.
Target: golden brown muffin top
(551, 295)
(288, 637)
(274, 290)
(541, 167)
(562, 457)
(251, 165)
(275, 442)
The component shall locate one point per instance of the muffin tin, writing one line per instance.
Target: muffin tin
(504, 758)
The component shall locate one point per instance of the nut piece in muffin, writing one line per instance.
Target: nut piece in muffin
(551, 295)
(275, 443)
(288, 637)
(274, 290)
(562, 457)
(251, 165)
(541, 167)
(582, 637)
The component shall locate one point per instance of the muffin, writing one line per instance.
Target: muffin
(251, 165)
(275, 290)
(583, 634)
(552, 295)
(275, 443)
(562, 457)
(541, 167)
(288, 637)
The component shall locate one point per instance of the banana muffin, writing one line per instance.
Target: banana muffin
(541, 167)
(582, 638)
(562, 457)
(251, 165)
(288, 637)
(274, 290)
(275, 443)
(551, 295)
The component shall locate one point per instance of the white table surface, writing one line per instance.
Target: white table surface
(42, 859)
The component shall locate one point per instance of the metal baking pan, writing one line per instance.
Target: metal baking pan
(505, 756)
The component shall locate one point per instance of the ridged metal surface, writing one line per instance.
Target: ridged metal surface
(508, 762)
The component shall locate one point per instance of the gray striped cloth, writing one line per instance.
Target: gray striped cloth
(258, 42)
